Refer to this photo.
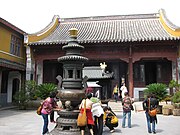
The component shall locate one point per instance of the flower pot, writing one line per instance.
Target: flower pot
(176, 112)
(166, 111)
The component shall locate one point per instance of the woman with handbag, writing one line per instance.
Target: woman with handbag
(110, 119)
(47, 108)
(150, 103)
(86, 104)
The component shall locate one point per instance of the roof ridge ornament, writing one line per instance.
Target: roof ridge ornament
(103, 67)
(168, 25)
(73, 32)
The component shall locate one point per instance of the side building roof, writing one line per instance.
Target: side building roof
(95, 72)
(11, 26)
(119, 28)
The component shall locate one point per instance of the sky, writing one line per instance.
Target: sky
(34, 15)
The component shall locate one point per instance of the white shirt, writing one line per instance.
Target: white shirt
(124, 90)
(97, 110)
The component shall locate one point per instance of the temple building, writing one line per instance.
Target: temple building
(138, 49)
(12, 61)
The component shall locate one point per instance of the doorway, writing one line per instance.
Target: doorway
(15, 87)
(150, 73)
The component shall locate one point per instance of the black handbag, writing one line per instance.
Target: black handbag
(132, 108)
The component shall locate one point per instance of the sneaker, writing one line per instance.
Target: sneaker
(154, 132)
(111, 131)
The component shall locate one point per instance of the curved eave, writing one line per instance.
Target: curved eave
(106, 41)
(169, 27)
(43, 33)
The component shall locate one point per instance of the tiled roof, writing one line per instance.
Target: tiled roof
(8, 24)
(95, 72)
(124, 28)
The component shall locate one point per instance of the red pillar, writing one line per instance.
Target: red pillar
(35, 70)
(177, 70)
(131, 84)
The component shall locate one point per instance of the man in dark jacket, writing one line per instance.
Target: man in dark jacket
(148, 104)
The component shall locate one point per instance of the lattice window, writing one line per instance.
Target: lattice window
(15, 45)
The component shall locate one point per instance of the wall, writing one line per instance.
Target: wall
(5, 38)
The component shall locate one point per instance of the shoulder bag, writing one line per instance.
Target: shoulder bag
(82, 119)
(114, 119)
(38, 111)
(152, 112)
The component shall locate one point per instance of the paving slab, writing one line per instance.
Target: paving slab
(27, 122)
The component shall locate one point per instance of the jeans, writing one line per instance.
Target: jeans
(110, 125)
(98, 127)
(116, 96)
(52, 116)
(124, 119)
(149, 123)
(45, 126)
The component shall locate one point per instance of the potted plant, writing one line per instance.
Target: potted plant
(176, 103)
(167, 108)
(174, 84)
(159, 90)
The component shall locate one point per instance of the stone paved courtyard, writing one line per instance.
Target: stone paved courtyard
(27, 122)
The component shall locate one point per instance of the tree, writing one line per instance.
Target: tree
(176, 97)
(31, 88)
(174, 84)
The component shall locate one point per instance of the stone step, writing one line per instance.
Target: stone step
(115, 106)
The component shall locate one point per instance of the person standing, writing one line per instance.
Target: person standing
(115, 92)
(148, 104)
(126, 103)
(90, 121)
(123, 90)
(98, 114)
(47, 108)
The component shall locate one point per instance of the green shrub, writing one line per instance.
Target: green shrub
(167, 98)
(174, 84)
(157, 89)
(31, 87)
(176, 105)
(43, 90)
(176, 97)
(22, 98)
